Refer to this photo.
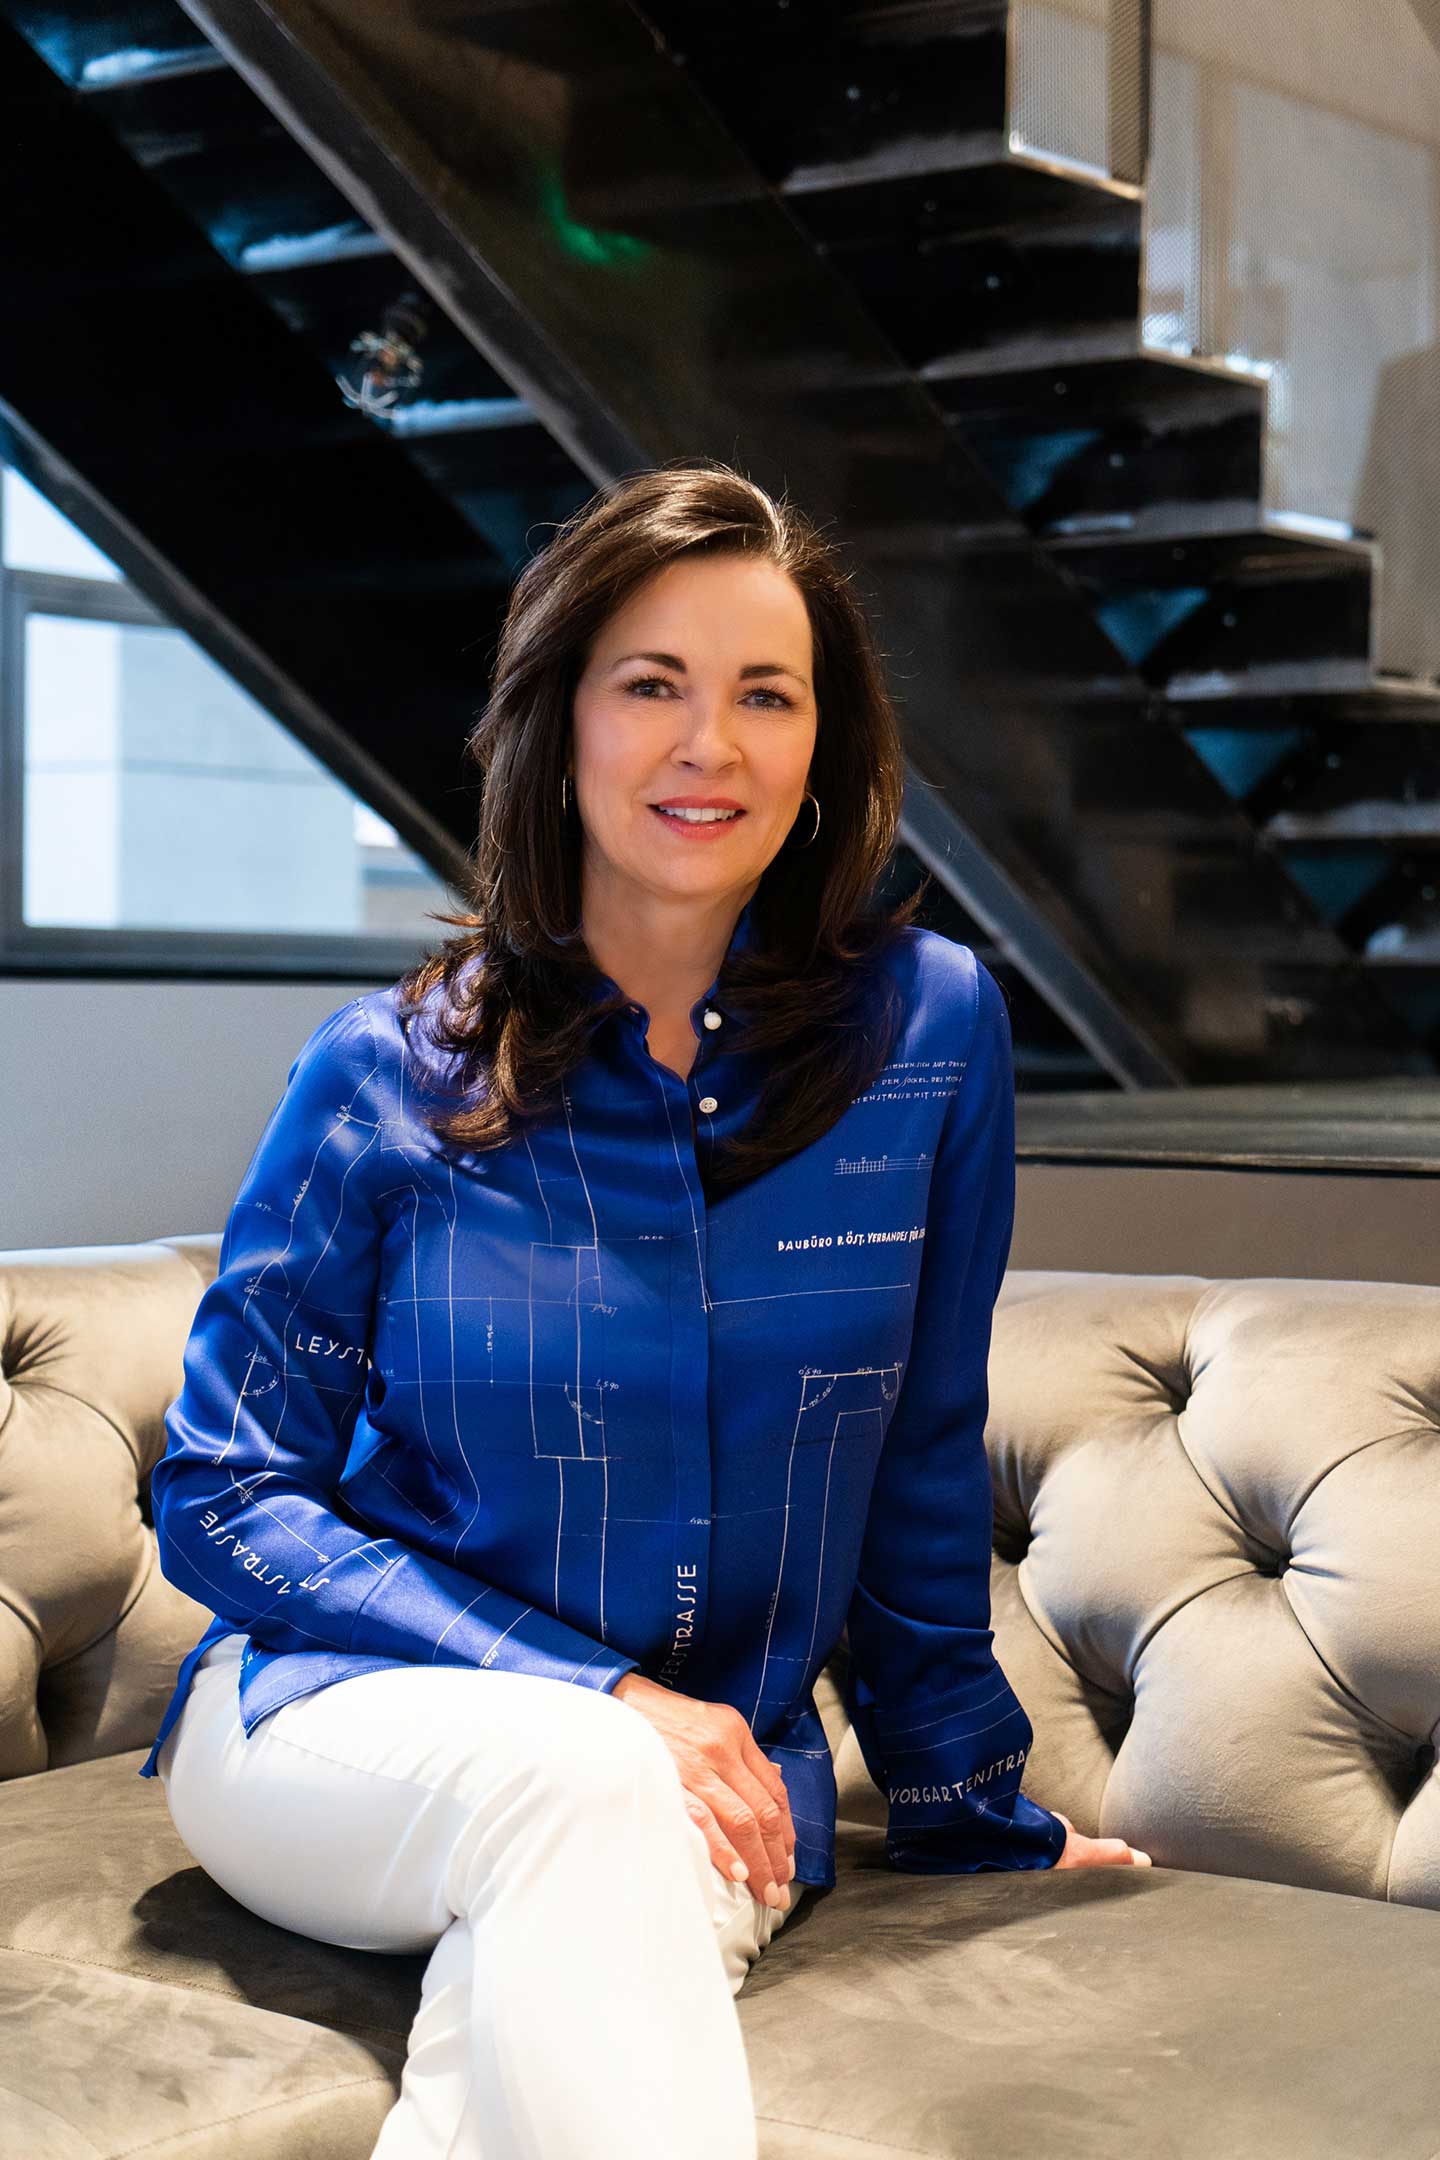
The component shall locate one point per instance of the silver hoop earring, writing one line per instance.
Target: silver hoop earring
(808, 797)
(564, 794)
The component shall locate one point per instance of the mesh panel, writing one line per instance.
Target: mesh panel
(1291, 223)
(1060, 80)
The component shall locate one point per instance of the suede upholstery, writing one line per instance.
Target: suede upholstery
(1217, 1510)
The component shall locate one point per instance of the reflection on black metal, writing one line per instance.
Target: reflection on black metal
(385, 364)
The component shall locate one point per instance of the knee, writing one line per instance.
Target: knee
(602, 1754)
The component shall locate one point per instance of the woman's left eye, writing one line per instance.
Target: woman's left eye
(643, 682)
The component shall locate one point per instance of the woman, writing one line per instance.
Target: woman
(600, 1332)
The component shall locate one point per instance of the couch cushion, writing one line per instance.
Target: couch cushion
(97, 2064)
(1092, 2012)
(142, 2005)
(1087, 2012)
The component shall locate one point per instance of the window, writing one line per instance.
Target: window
(155, 815)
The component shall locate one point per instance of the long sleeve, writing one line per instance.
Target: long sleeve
(276, 1373)
(942, 1733)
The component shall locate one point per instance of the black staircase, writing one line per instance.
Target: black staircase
(1154, 772)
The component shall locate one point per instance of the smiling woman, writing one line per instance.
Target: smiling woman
(674, 1288)
(688, 781)
(684, 643)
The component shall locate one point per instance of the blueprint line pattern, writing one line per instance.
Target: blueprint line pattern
(563, 1407)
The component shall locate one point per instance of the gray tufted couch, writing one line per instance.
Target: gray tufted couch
(1215, 1590)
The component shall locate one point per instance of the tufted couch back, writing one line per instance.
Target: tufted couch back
(1216, 1582)
(91, 1343)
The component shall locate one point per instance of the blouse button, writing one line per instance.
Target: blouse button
(708, 1103)
(712, 1019)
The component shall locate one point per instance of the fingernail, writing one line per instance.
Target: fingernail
(773, 1895)
(792, 1867)
(739, 1870)
(1143, 1857)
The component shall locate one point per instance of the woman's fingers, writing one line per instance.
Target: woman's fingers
(753, 1812)
(773, 1819)
(769, 1774)
(1082, 1851)
(739, 1827)
(737, 1852)
(771, 1778)
(722, 1852)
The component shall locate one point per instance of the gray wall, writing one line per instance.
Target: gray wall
(130, 1110)
(1146, 1221)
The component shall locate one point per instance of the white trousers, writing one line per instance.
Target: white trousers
(533, 1836)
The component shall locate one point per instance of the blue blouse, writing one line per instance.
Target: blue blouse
(544, 1409)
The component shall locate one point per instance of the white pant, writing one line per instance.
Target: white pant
(531, 1833)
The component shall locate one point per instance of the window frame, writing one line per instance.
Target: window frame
(31, 950)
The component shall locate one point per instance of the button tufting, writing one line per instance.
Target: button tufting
(708, 1102)
(712, 1019)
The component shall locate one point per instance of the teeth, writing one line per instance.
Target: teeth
(697, 817)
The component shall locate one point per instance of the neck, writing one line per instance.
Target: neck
(663, 953)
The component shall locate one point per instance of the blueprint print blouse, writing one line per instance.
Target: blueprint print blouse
(543, 1409)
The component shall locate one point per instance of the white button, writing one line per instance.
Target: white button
(712, 1019)
(708, 1102)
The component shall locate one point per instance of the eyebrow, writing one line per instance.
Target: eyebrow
(756, 667)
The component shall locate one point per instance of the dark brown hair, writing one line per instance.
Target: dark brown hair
(518, 986)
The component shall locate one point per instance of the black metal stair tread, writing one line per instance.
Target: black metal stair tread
(1141, 379)
(1390, 1124)
(180, 65)
(1382, 701)
(972, 179)
(1267, 681)
(981, 183)
(1377, 819)
(1256, 549)
(95, 47)
(1024, 354)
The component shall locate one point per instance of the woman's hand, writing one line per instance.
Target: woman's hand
(733, 1790)
(1082, 1851)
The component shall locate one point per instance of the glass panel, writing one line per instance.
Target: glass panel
(159, 795)
(1059, 81)
(1291, 226)
(37, 537)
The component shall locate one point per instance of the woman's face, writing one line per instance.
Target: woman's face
(699, 691)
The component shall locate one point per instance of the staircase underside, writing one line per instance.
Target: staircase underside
(642, 235)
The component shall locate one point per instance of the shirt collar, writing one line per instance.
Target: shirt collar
(741, 937)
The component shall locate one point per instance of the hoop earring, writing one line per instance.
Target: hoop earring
(808, 797)
(564, 794)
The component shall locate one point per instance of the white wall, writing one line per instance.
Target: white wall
(129, 1109)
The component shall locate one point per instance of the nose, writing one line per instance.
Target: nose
(706, 737)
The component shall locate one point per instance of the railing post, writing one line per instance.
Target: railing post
(1128, 134)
